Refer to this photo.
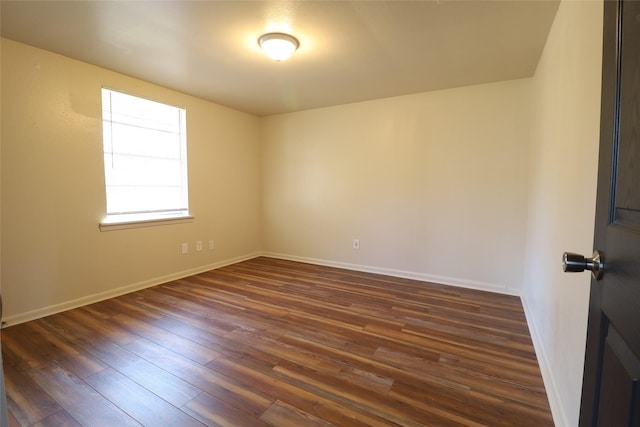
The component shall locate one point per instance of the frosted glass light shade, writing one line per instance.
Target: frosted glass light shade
(278, 46)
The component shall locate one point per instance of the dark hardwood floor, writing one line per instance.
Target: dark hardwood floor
(275, 343)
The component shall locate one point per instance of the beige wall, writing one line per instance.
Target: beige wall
(434, 185)
(53, 255)
(565, 124)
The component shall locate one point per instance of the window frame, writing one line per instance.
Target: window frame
(147, 218)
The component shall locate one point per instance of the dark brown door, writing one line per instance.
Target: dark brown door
(611, 393)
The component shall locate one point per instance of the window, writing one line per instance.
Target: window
(145, 159)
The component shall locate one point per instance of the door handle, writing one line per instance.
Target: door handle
(574, 263)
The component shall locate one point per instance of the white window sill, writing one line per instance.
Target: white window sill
(122, 222)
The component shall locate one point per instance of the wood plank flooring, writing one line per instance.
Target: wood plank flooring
(269, 342)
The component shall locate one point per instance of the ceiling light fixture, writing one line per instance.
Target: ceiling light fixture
(278, 46)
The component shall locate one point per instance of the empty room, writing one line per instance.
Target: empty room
(367, 230)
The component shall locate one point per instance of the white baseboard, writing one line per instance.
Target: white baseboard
(443, 280)
(557, 411)
(101, 296)
(90, 299)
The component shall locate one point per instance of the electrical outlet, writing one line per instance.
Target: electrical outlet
(356, 244)
(185, 248)
(199, 245)
(211, 245)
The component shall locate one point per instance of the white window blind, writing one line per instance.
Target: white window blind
(145, 157)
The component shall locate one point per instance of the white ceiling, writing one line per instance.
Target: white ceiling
(349, 50)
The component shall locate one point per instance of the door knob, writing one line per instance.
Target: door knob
(572, 263)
